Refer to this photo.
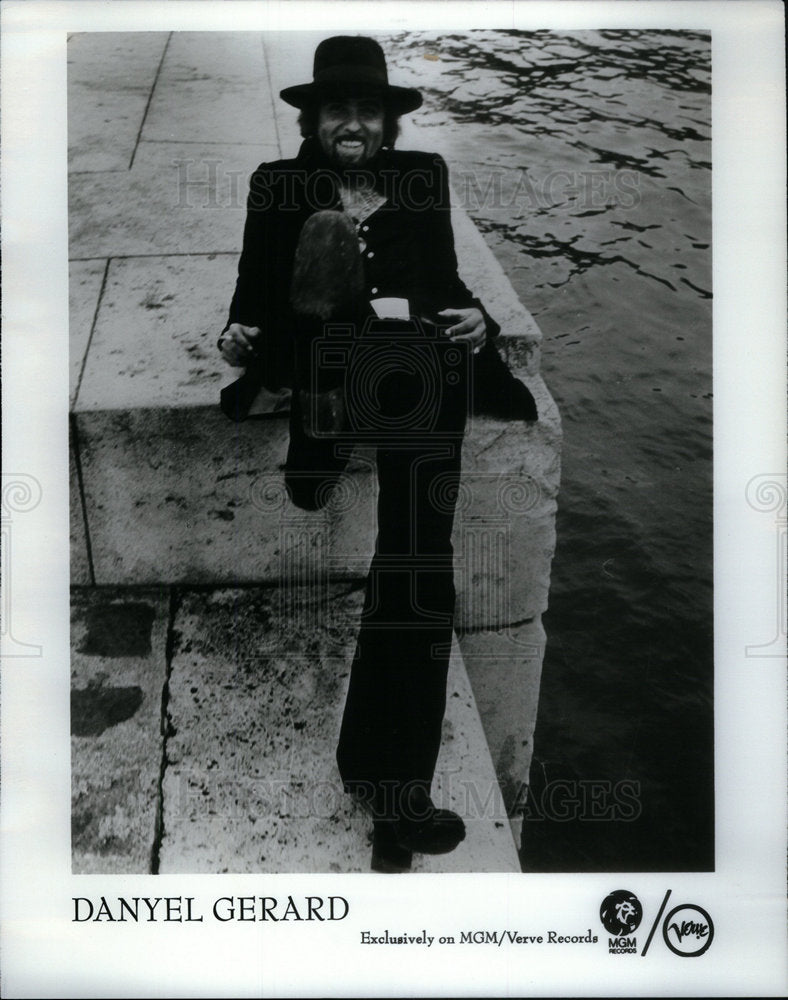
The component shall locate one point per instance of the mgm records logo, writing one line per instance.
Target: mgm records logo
(621, 914)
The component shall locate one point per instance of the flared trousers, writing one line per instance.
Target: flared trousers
(404, 390)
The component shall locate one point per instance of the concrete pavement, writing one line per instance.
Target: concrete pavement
(204, 725)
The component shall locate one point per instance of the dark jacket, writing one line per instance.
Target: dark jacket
(409, 250)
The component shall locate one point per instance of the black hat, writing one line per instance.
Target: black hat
(349, 62)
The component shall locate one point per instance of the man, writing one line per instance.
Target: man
(355, 236)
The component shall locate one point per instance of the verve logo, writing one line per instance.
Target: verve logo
(688, 930)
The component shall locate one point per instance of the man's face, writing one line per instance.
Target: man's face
(350, 129)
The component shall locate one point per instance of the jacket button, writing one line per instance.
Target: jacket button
(374, 291)
(365, 229)
(371, 253)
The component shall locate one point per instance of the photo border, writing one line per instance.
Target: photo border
(44, 951)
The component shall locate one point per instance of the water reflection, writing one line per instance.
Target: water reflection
(584, 158)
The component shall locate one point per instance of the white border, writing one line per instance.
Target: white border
(43, 954)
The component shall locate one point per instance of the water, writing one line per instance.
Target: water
(584, 158)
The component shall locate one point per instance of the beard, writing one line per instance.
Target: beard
(349, 151)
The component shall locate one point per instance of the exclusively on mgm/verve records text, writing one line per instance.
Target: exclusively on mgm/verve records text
(394, 499)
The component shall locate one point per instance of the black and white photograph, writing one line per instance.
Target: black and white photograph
(408, 501)
(415, 426)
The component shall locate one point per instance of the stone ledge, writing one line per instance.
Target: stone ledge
(186, 496)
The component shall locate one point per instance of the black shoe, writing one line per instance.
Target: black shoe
(439, 834)
(388, 856)
(327, 269)
(418, 827)
(327, 287)
(394, 842)
(496, 391)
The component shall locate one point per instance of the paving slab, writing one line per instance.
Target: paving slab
(161, 508)
(118, 671)
(154, 343)
(84, 287)
(212, 86)
(110, 78)
(179, 198)
(256, 693)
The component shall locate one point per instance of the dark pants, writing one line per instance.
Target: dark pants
(391, 728)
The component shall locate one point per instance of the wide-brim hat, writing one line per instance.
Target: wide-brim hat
(348, 64)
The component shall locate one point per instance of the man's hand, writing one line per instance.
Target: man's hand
(238, 344)
(471, 327)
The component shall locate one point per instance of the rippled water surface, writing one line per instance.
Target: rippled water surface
(584, 158)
